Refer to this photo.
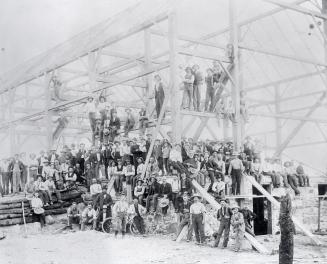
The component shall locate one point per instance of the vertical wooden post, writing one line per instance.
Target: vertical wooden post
(12, 132)
(324, 11)
(148, 65)
(48, 114)
(235, 74)
(174, 91)
(278, 123)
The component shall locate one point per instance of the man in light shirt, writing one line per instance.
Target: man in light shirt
(119, 212)
(197, 211)
(89, 216)
(38, 211)
(95, 189)
(235, 171)
(219, 188)
(51, 189)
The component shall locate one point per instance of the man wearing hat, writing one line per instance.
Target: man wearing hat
(238, 227)
(119, 174)
(183, 211)
(129, 123)
(224, 215)
(197, 211)
(103, 204)
(139, 190)
(129, 173)
(188, 89)
(120, 210)
(235, 171)
(153, 194)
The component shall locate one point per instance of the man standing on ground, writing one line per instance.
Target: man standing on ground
(197, 211)
(224, 215)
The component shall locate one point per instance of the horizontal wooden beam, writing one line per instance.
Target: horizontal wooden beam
(282, 55)
(306, 144)
(134, 83)
(289, 117)
(298, 8)
(285, 80)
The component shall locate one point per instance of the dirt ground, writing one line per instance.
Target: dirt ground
(95, 247)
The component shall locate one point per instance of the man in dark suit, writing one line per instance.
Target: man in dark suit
(165, 193)
(224, 215)
(107, 156)
(114, 126)
(103, 204)
(153, 193)
(96, 159)
(80, 156)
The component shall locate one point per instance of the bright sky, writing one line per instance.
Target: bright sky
(29, 27)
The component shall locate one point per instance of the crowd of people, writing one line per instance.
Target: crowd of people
(165, 183)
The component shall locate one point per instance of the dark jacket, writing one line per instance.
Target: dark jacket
(159, 93)
(154, 188)
(166, 189)
(101, 201)
(229, 213)
(115, 123)
(94, 159)
(188, 186)
(184, 208)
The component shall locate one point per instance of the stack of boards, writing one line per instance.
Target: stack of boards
(11, 211)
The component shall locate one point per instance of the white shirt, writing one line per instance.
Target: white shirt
(36, 202)
(218, 186)
(140, 168)
(197, 208)
(120, 207)
(175, 155)
(129, 170)
(95, 188)
(90, 107)
(139, 190)
(50, 185)
(89, 213)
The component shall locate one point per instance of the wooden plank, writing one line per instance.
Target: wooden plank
(182, 234)
(256, 244)
(276, 203)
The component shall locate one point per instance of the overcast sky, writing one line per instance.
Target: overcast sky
(28, 27)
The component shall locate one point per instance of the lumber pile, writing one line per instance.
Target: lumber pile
(11, 211)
